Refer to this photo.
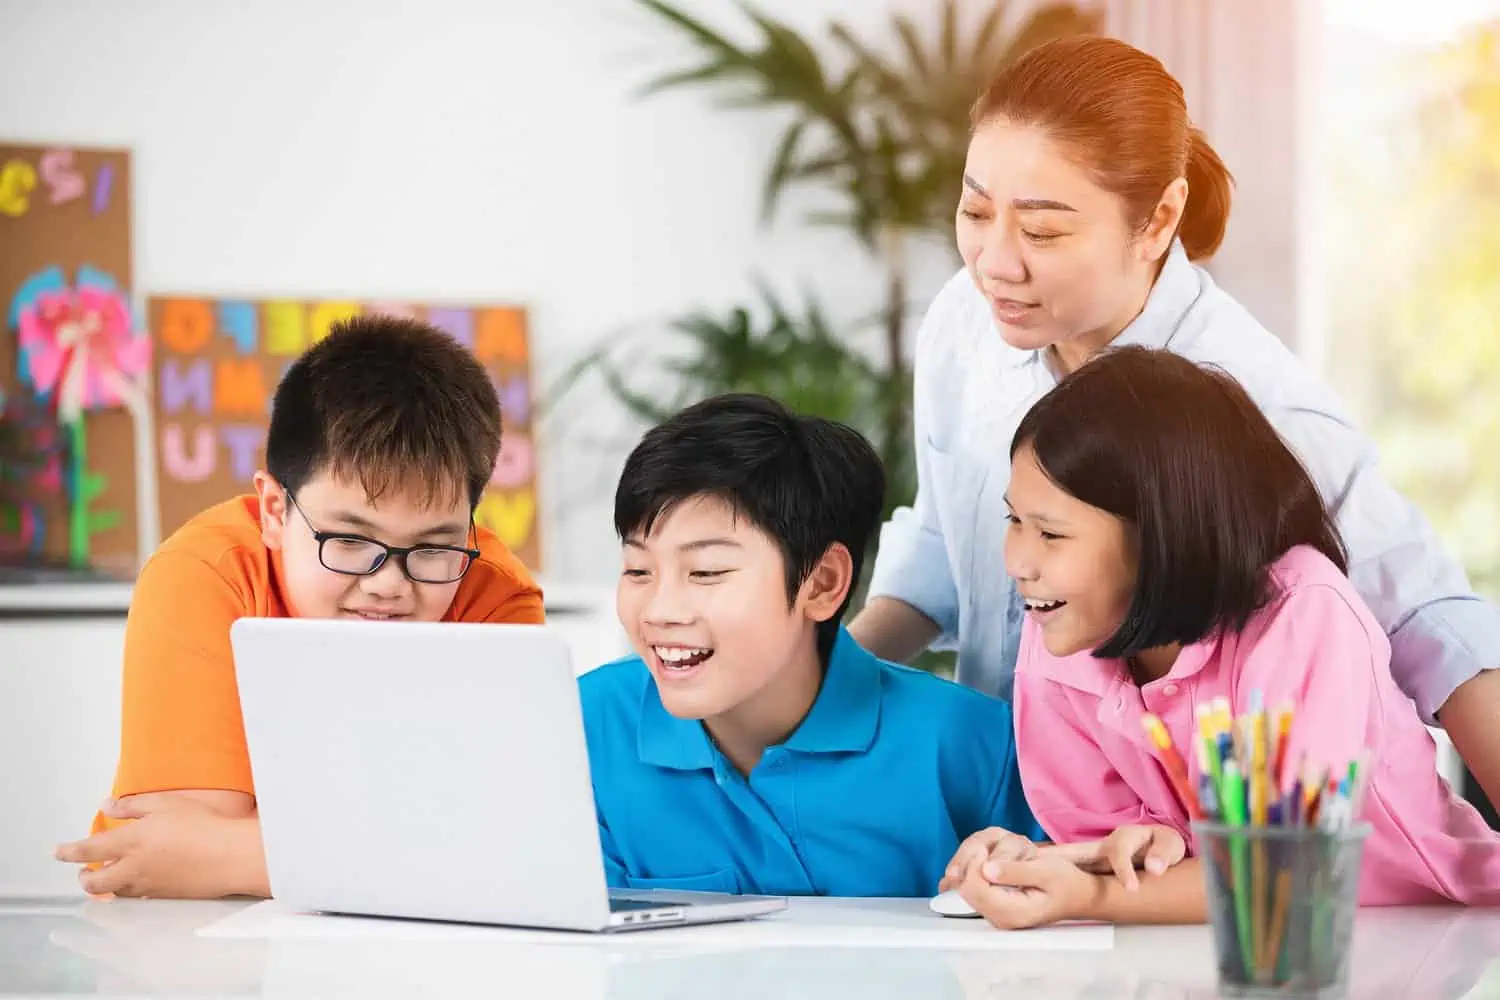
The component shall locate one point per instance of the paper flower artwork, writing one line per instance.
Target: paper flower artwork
(80, 351)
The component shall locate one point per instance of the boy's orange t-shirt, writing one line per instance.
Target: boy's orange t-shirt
(181, 725)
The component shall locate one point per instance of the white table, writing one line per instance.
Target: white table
(133, 948)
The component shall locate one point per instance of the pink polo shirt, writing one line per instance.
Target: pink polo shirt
(1087, 766)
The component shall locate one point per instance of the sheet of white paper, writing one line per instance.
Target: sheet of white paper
(807, 922)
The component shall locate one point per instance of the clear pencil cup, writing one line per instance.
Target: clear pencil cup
(1281, 901)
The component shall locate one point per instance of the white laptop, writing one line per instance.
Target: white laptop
(434, 771)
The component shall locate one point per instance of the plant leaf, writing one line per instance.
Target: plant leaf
(700, 32)
(828, 164)
(788, 48)
(638, 404)
(888, 135)
(865, 59)
(667, 81)
(912, 42)
(948, 40)
(989, 29)
(782, 169)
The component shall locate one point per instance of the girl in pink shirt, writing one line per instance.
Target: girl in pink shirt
(1171, 549)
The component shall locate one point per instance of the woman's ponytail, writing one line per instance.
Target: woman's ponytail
(1210, 188)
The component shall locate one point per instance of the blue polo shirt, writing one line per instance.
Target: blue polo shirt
(871, 795)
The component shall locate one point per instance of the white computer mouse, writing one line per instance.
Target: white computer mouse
(951, 904)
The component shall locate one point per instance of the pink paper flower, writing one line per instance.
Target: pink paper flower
(78, 348)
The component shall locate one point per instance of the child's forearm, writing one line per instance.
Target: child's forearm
(1174, 897)
(245, 868)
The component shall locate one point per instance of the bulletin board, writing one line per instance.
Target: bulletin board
(71, 345)
(217, 364)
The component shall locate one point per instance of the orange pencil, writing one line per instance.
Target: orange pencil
(1173, 762)
(1270, 952)
(1283, 737)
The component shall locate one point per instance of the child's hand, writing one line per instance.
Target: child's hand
(1154, 848)
(1042, 890)
(174, 848)
(994, 842)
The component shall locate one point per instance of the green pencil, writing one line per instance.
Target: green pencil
(1232, 802)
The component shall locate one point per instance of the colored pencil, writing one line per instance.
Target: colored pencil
(1250, 777)
(1283, 738)
(1173, 763)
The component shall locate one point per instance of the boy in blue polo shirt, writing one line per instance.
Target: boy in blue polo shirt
(752, 746)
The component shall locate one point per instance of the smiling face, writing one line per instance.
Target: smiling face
(1050, 249)
(703, 598)
(326, 504)
(1075, 565)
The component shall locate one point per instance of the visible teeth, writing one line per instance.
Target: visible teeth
(1043, 605)
(678, 654)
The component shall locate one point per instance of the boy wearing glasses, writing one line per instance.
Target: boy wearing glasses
(382, 438)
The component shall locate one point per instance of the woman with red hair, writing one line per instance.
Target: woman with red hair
(1088, 198)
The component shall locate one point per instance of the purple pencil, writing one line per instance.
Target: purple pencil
(1292, 811)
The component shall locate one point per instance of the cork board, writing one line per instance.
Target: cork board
(67, 496)
(217, 363)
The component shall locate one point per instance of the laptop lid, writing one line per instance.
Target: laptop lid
(421, 770)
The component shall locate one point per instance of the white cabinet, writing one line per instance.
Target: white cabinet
(59, 735)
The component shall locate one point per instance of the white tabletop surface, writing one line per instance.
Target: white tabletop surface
(129, 948)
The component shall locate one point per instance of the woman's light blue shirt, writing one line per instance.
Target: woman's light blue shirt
(944, 555)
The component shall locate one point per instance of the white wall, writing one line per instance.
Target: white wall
(448, 149)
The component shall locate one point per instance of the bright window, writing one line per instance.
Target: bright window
(1406, 218)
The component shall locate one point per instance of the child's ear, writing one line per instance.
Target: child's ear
(830, 581)
(272, 509)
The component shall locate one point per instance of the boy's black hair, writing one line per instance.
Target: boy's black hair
(392, 403)
(1212, 493)
(805, 481)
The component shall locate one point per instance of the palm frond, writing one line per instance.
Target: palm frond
(911, 42)
(789, 50)
(948, 40)
(988, 31)
(705, 36)
(783, 168)
(637, 404)
(889, 134)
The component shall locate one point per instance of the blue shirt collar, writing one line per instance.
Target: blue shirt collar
(844, 717)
